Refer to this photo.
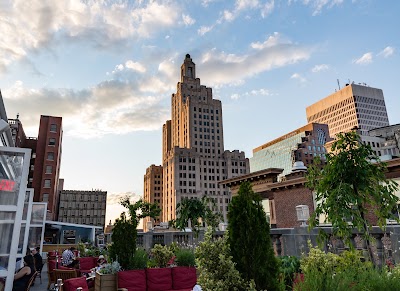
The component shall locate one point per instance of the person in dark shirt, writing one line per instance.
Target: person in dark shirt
(21, 278)
(37, 259)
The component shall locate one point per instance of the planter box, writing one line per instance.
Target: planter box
(105, 282)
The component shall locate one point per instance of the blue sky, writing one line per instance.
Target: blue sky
(109, 69)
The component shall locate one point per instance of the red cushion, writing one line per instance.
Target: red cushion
(183, 277)
(87, 263)
(159, 279)
(72, 284)
(133, 280)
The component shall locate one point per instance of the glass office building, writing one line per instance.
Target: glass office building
(302, 144)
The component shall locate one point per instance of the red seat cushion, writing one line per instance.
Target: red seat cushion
(72, 284)
(87, 263)
(133, 280)
(159, 279)
(183, 278)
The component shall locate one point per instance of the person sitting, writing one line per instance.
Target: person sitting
(68, 257)
(37, 259)
(21, 278)
(101, 262)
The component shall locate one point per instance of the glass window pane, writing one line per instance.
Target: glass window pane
(6, 232)
(21, 238)
(35, 234)
(37, 216)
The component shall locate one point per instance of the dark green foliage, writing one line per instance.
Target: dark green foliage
(196, 212)
(124, 234)
(351, 184)
(125, 230)
(216, 268)
(185, 257)
(289, 266)
(250, 241)
(352, 279)
(139, 260)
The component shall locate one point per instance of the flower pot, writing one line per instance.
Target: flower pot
(105, 282)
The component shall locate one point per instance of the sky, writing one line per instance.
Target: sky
(108, 68)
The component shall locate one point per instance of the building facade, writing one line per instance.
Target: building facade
(152, 192)
(353, 106)
(83, 207)
(194, 158)
(385, 141)
(45, 159)
(302, 144)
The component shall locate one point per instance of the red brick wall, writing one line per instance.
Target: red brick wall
(286, 201)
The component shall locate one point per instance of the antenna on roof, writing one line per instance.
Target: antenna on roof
(338, 83)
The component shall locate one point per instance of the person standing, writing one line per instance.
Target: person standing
(68, 257)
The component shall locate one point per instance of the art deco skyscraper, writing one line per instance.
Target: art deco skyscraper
(194, 159)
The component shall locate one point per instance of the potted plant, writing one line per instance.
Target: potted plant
(106, 279)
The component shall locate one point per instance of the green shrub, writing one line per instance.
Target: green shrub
(161, 255)
(185, 257)
(139, 260)
(215, 265)
(289, 266)
(318, 260)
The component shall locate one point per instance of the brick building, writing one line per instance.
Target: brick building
(45, 159)
(83, 207)
(153, 189)
(283, 197)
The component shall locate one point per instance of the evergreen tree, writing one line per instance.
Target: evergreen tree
(250, 240)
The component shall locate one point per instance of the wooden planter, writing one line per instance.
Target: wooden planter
(105, 282)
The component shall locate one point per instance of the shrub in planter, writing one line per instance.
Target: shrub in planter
(139, 260)
(216, 268)
(185, 257)
(289, 268)
(161, 255)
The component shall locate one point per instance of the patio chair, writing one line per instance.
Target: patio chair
(31, 280)
(64, 274)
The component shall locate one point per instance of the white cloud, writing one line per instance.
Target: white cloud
(318, 5)
(259, 92)
(365, 59)
(241, 6)
(235, 96)
(187, 20)
(133, 101)
(271, 41)
(28, 26)
(387, 52)
(220, 68)
(204, 29)
(299, 77)
(320, 68)
(268, 8)
(135, 66)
